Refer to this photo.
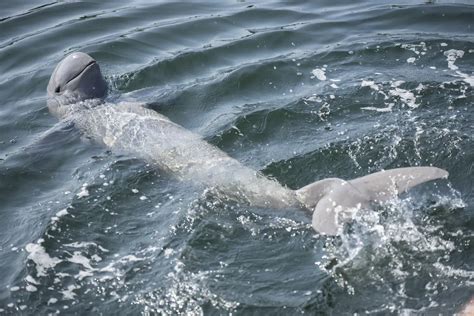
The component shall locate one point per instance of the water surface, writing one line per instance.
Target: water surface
(298, 90)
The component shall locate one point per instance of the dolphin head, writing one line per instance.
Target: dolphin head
(76, 78)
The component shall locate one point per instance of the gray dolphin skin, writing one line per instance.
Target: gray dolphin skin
(76, 93)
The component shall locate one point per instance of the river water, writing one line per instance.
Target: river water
(298, 90)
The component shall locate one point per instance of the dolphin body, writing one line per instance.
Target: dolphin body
(75, 93)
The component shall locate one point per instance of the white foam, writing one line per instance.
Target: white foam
(453, 272)
(69, 294)
(131, 258)
(85, 244)
(30, 279)
(62, 213)
(84, 192)
(466, 78)
(96, 258)
(40, 257)
(319, 73)
(109, 268)
(451, 56)
(420, 87)
(102, 248)
(405, 96)
(386, 109)
(416, 48)
(78, 258)
(82, 244)
(314, 98)
(84, 274)
(168, 252)
(371, 84)
(56, 218)
(411, 60)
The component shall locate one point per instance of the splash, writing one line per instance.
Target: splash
(392, 241)
(185, 293)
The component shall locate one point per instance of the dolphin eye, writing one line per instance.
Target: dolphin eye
(57, 90)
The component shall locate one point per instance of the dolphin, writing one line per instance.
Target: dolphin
(77, 91)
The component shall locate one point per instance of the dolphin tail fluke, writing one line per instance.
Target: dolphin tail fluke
(334, 199)
(386, 184)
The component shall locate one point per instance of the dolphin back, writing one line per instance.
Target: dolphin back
(134, 129)
(131, 128)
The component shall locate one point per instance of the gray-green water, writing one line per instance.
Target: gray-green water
(298, 90)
